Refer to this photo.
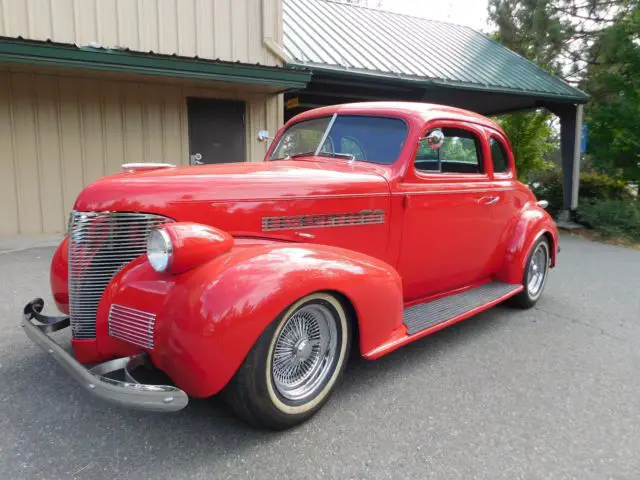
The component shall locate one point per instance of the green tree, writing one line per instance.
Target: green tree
(596, 39)
(459, 149)
(530, 135)
(532, 28)
(613, 81)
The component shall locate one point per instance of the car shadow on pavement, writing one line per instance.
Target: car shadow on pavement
(424, 350)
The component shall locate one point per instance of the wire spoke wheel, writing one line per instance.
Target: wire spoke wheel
(304, 352)
(295, 364)
(538, 268)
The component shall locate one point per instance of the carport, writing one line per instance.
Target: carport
(361, 54)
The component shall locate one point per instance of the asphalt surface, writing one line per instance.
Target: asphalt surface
(552, 392)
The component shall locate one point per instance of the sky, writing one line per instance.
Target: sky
(472, 13)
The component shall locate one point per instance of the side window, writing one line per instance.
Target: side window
(460, 152)
(498, 156)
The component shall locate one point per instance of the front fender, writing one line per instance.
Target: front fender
(208, 319)
(532, 222)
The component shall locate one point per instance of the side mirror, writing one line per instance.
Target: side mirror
(435, 139)
(263, 136)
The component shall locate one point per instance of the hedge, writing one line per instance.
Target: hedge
(593, 186)
(613, 218)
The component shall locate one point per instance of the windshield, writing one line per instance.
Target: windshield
(353, 137)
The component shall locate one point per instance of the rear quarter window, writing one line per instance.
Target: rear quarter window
(499, 156)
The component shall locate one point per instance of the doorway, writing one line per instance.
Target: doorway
(216, 131)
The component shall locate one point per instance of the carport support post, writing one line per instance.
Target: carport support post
(570, 133)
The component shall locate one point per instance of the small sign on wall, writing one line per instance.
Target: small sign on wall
(293, 103)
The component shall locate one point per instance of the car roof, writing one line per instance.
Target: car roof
(428, 111)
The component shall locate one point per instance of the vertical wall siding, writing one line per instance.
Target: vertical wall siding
(9, 207)
(224, 29)
(59, 133)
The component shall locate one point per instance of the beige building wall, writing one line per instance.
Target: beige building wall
(232, 30)
(59, 132)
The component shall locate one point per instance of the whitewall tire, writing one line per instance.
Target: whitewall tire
(295, 364)
(535, 274)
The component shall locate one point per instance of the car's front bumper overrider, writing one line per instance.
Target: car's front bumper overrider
(129, 393)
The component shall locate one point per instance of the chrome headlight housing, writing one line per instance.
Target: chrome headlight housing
(159, 250)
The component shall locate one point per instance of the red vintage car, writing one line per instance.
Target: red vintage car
(368, 226)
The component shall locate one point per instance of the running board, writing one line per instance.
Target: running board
(426, 315)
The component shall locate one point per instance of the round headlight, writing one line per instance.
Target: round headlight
(159, 250)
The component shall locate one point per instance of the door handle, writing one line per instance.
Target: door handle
(490, 200)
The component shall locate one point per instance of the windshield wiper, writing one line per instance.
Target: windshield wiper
(346, 156)
(296, 155)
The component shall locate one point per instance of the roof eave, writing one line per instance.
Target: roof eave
(337, 70)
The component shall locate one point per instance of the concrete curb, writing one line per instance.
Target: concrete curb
(568, 225)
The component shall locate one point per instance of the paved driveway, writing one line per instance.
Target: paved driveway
(552, 392)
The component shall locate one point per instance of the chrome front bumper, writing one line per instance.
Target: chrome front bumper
(129, 393)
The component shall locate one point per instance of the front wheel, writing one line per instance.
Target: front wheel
(535, 275)
(293, 367)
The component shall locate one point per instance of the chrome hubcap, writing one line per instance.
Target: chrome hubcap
(538, 270)
(304, 352)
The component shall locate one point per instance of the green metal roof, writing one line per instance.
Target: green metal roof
(327, 36)
(65, 55)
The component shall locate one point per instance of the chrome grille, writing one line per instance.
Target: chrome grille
(132, 325)
(100, 244)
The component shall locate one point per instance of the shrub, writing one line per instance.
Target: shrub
(548, 186)
(593, 186)
(599, 186)
(615, 218)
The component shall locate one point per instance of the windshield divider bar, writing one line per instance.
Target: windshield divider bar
(326, 134)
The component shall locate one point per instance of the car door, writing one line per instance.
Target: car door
(448, 236)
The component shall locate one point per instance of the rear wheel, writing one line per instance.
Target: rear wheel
(293, 367)
(535, 275)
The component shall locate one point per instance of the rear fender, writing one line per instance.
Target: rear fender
(209, 318)
(533, 222)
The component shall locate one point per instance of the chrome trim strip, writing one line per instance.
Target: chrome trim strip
(326, 133)
(324, 220)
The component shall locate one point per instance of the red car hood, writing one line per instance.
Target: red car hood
(169, 191)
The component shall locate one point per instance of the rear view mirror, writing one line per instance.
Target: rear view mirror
(435, 139)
